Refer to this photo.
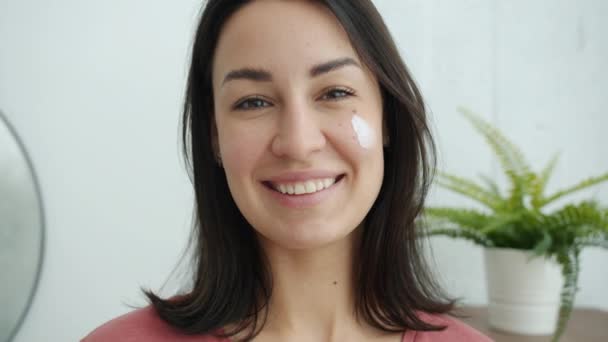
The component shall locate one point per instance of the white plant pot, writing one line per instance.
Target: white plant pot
(523, 293)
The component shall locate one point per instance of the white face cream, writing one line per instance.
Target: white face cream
(365, 134)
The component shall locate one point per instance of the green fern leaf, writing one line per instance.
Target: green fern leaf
(594, 240)
(492, 186)
(467, 234)
(469, 189)
(584, 217)
(540, 183)
(580, 186)
(500, 221)
(461, 217)
(511, 159)
(544, 245)
(510, 156)
(517, 192)
(570, 263)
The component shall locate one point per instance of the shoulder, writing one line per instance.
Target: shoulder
(141, 325)
(455, 331)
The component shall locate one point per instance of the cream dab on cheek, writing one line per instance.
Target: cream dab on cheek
(364, 133)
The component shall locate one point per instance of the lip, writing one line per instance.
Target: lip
(302, 176)
(304, 201)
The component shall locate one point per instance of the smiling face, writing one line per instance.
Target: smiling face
(299, 123)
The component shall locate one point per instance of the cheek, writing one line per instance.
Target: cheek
(359, 134)
(366, 137)
(239, 148)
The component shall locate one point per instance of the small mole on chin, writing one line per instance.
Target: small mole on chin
(335, 282)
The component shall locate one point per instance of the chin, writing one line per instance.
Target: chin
(310, 236)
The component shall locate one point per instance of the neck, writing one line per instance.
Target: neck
(313, 290)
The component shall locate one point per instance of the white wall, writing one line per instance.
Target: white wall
(95, 89)
(536, 69)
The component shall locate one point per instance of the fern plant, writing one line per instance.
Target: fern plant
(517, 218)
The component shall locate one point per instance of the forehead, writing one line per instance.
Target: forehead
(283, 36)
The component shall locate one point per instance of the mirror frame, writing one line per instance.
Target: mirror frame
(12, 131)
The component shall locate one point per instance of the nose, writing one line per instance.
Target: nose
(299, 133)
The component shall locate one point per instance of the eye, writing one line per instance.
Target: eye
(337, 93)
(251, 103)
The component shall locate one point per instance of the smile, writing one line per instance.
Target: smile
(303, 187)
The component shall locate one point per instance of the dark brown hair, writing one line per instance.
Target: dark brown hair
(231, 279)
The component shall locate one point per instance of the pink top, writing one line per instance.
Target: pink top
(145, 325)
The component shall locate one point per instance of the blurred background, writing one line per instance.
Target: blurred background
(95, 88)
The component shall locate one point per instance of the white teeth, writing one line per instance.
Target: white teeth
(319, 184)
(300, 189)
(306, 187)
(310, 187)
(282, 188)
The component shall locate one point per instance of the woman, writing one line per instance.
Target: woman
(310, 158)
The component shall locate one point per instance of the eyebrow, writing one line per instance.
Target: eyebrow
(252, 74)
(326, 67)
(262, 75)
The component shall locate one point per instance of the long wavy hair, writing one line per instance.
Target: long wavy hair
(232, 283)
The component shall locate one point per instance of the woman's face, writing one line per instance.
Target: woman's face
(299, 123)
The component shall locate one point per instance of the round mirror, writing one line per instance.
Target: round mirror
(21, 231)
